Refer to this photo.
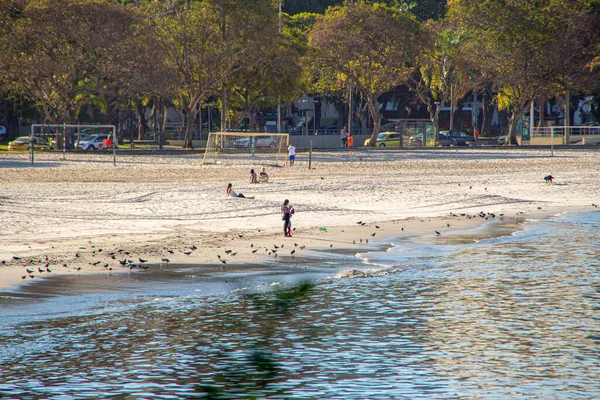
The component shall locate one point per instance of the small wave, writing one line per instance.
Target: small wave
(368, 273)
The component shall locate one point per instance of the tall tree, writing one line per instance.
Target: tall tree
(438, 75)
(525, 47)
(368, 48)
(59, 50)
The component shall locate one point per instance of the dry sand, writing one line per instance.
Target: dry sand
(81, 214)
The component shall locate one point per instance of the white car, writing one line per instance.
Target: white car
(259, 141)
(95, 142)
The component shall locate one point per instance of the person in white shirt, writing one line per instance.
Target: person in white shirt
(344, 136)
(233, 193)
(291, 154)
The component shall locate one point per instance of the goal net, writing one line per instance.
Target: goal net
(267, 147)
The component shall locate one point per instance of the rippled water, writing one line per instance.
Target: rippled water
(516, 316)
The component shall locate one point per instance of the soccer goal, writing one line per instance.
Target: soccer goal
(92, 135)
(267, 147)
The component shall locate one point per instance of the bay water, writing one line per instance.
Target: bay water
(502, 311)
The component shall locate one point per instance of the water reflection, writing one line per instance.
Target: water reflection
(508, 317)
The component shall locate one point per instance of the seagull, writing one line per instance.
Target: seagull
(223, 262)
(193, 247)
(16, 258)
(170, 251)
(123, 262)
(302, 247)
(240, 235)
(275, 246)
(254, 251)
(437, 232)
(359, 223)
(29, 271)
(228, 251)
(187, 253)
(165, 260)
(251, 244)
(40, 270)
(377, 226)
(48, 270)
(142, 260)
(373, 234)
(293, 252)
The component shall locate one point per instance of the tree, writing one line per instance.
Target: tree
(527, 49)
(60, 50)
(437, 76)
(369, 48)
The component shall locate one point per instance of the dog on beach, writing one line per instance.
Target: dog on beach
(548, 178)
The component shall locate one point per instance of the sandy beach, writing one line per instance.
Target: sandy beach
(84, 214)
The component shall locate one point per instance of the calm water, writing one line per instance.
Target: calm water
(517, 316)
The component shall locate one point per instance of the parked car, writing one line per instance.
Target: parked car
(259, 141)
(387, 139)
(502, 140)
(82, 138)
(95, 142)
(445, 140)
(23, 143)
(2, 133)
(462, 138)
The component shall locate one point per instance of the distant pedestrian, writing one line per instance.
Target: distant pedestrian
(344, 136)
(287, 210)
(291, 155)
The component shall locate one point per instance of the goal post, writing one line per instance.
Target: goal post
(234, 145)
(48, 131)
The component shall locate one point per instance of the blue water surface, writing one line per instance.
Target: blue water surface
(514, 316)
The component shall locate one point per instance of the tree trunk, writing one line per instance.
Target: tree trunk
(163, 125)
(189, 128)
(376, 116)
(142, 121)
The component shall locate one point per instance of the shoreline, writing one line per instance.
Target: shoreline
(306, 246)
(80, 210)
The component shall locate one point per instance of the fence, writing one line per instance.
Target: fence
(565, 135)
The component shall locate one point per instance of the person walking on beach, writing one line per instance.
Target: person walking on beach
(287, 210)
(344, 136)
(291, 154)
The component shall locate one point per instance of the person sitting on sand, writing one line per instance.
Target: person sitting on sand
(253, 178)
(264, 177)
(233, 193)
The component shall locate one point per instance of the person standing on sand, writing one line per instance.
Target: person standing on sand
(291, 155)
(287, 210)
(344, 136)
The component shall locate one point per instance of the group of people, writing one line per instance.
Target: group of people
(262, 177)
(287, 210)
